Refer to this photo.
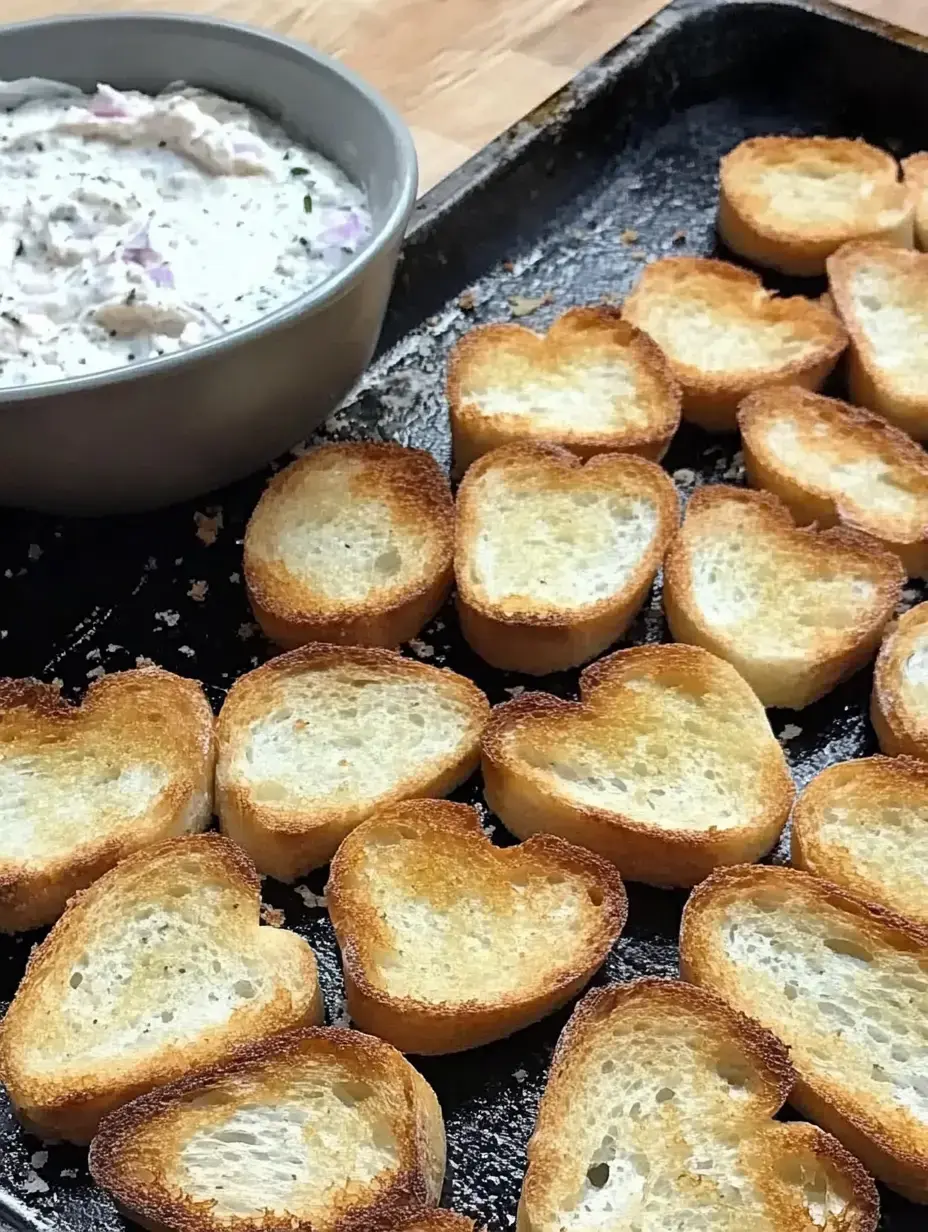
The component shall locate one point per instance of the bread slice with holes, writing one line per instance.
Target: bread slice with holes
(789, 202)
(666, 766)
(795, 611)
(658, 1114)
(160, 968)
(352, 543)
(317, 1128)
(84, 786)
(864, 826)
(899, 703)
(844, 985)
(832, 463)
(881, 294)
(554, 558)
(449, 942)
(320, 738)
(592, 384)
(915, 169)
(725, 335)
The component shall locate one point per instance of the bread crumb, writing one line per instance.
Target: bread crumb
(57, 682)
(144, 661)
(113, 647)
(198, 591)
(684, 476)
(678, 237)
(235, 578)
(341, 1017)
(309, 898)
(515, 690)
(520, 1075)
(169, 618)
(628, 236)
(96, 673)
(34, 1183)
(525, 305)
(208, 526)
(69, 1172)
(34, 551)
(247, 629)
(790, 732)
(420, 649)
(509, 266)
(466, 301)
(3, 633)
(640, 254)
(273, 917)
(39, 1159)
(187, 650)
(93, 654)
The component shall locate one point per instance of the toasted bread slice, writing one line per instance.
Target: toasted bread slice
(864, 825)
(899, 704)
(437, 1221)
(844, 985)
(915, 169)
(790, 202)
(667, 766)
(881, 294)
(449, 942)
(658, 1115)
(352, 543)
(592, 384)
(85, 786)
(726, 336)
(160, 968)
(795, 611)
(553, 558)
(834, 463)
(319, 1128)
(318, 739)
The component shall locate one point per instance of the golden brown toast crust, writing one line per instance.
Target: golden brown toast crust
(822, 668)
(438, 1221)
(539, 640)
(580, 335)
(290, 610)
(915, 170)
(129, 1157)
(418, 1025)
(653, 853)
(899, 719)
(811, 501)
(893, 783)
(899, 1160)
(284, 840)
(71, 1108)
(752, 224)
(711, 394)
(671, 1001)
(148, 716)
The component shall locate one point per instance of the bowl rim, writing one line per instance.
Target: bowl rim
(325, 292)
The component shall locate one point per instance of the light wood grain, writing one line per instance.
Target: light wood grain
(460, 71)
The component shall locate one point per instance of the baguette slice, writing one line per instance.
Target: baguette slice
(881, 294)
(160, 968)
(658, 1116)
(666, 766)
(553, 558)
(352, 543)
(318, 739)
(899, 703)
(795, 611)
(789, 202)
(320, 1128)
(449, 942)
(726, 336)
(592, 384)
(864, 825)
(915, 169)
(844, 985)
(833, 463)
(85, 786)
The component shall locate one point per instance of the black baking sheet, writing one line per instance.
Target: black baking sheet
(546, 213)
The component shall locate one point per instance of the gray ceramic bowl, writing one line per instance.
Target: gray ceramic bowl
(158, 431)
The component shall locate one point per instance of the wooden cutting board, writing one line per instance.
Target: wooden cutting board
(460, 71)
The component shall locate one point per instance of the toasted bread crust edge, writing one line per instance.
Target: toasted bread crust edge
(899, 729)
(822, 672)
(290, 619)
(429, 1028)
(51, 1110)
(287, 842)
(767, 1053)
(802, 253)
(417, 1186)
(543, 641)
(474, 433)
(34, 894)
(655, 855)
(915, 171)
(809, 502)
(809, 853)
(858, 1132)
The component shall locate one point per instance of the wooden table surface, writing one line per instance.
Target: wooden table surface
(460, 71)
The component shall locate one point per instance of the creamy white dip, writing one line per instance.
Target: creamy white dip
(133, 226)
